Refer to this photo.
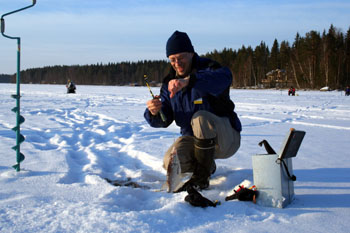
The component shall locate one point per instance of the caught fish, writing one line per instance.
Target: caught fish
(173, 176)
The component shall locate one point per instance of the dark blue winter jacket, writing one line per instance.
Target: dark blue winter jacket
(208, 89)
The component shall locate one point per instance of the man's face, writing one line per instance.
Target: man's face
(181, 62)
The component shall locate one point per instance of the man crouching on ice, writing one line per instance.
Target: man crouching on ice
(195, 94)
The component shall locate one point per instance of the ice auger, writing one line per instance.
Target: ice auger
(19, 118)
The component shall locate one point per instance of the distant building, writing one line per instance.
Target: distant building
(276, 79)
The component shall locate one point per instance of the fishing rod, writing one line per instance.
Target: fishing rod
(19, 119)
(149, 88)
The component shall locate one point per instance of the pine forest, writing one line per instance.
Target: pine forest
(312, 61)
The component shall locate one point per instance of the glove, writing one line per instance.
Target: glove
(196, 199)
(243, 194)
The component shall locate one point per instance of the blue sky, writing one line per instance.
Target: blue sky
(66, 32)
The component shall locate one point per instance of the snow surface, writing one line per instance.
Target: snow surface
(74, 141)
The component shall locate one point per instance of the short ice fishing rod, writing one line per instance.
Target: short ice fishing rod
(149, 88)
(19, 119)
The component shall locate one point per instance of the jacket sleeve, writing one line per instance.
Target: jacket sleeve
(211, 81)
(156, 121)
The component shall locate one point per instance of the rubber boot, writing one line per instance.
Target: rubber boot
(204, 150)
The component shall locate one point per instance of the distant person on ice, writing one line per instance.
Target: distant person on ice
(195, 94)
(70, 87)
(291, 91)
(347, 91)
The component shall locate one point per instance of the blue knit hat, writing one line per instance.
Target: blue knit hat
(178, 42)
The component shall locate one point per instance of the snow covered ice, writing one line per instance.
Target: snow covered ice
(74, 141)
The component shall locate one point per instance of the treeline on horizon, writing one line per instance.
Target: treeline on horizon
(311, 61)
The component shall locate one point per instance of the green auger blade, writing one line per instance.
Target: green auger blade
(15, 109)
(16, 96)
(19, 160)
(21, 157)
(21, 119)
(17, 167)
(21, 138)
(15, 128)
